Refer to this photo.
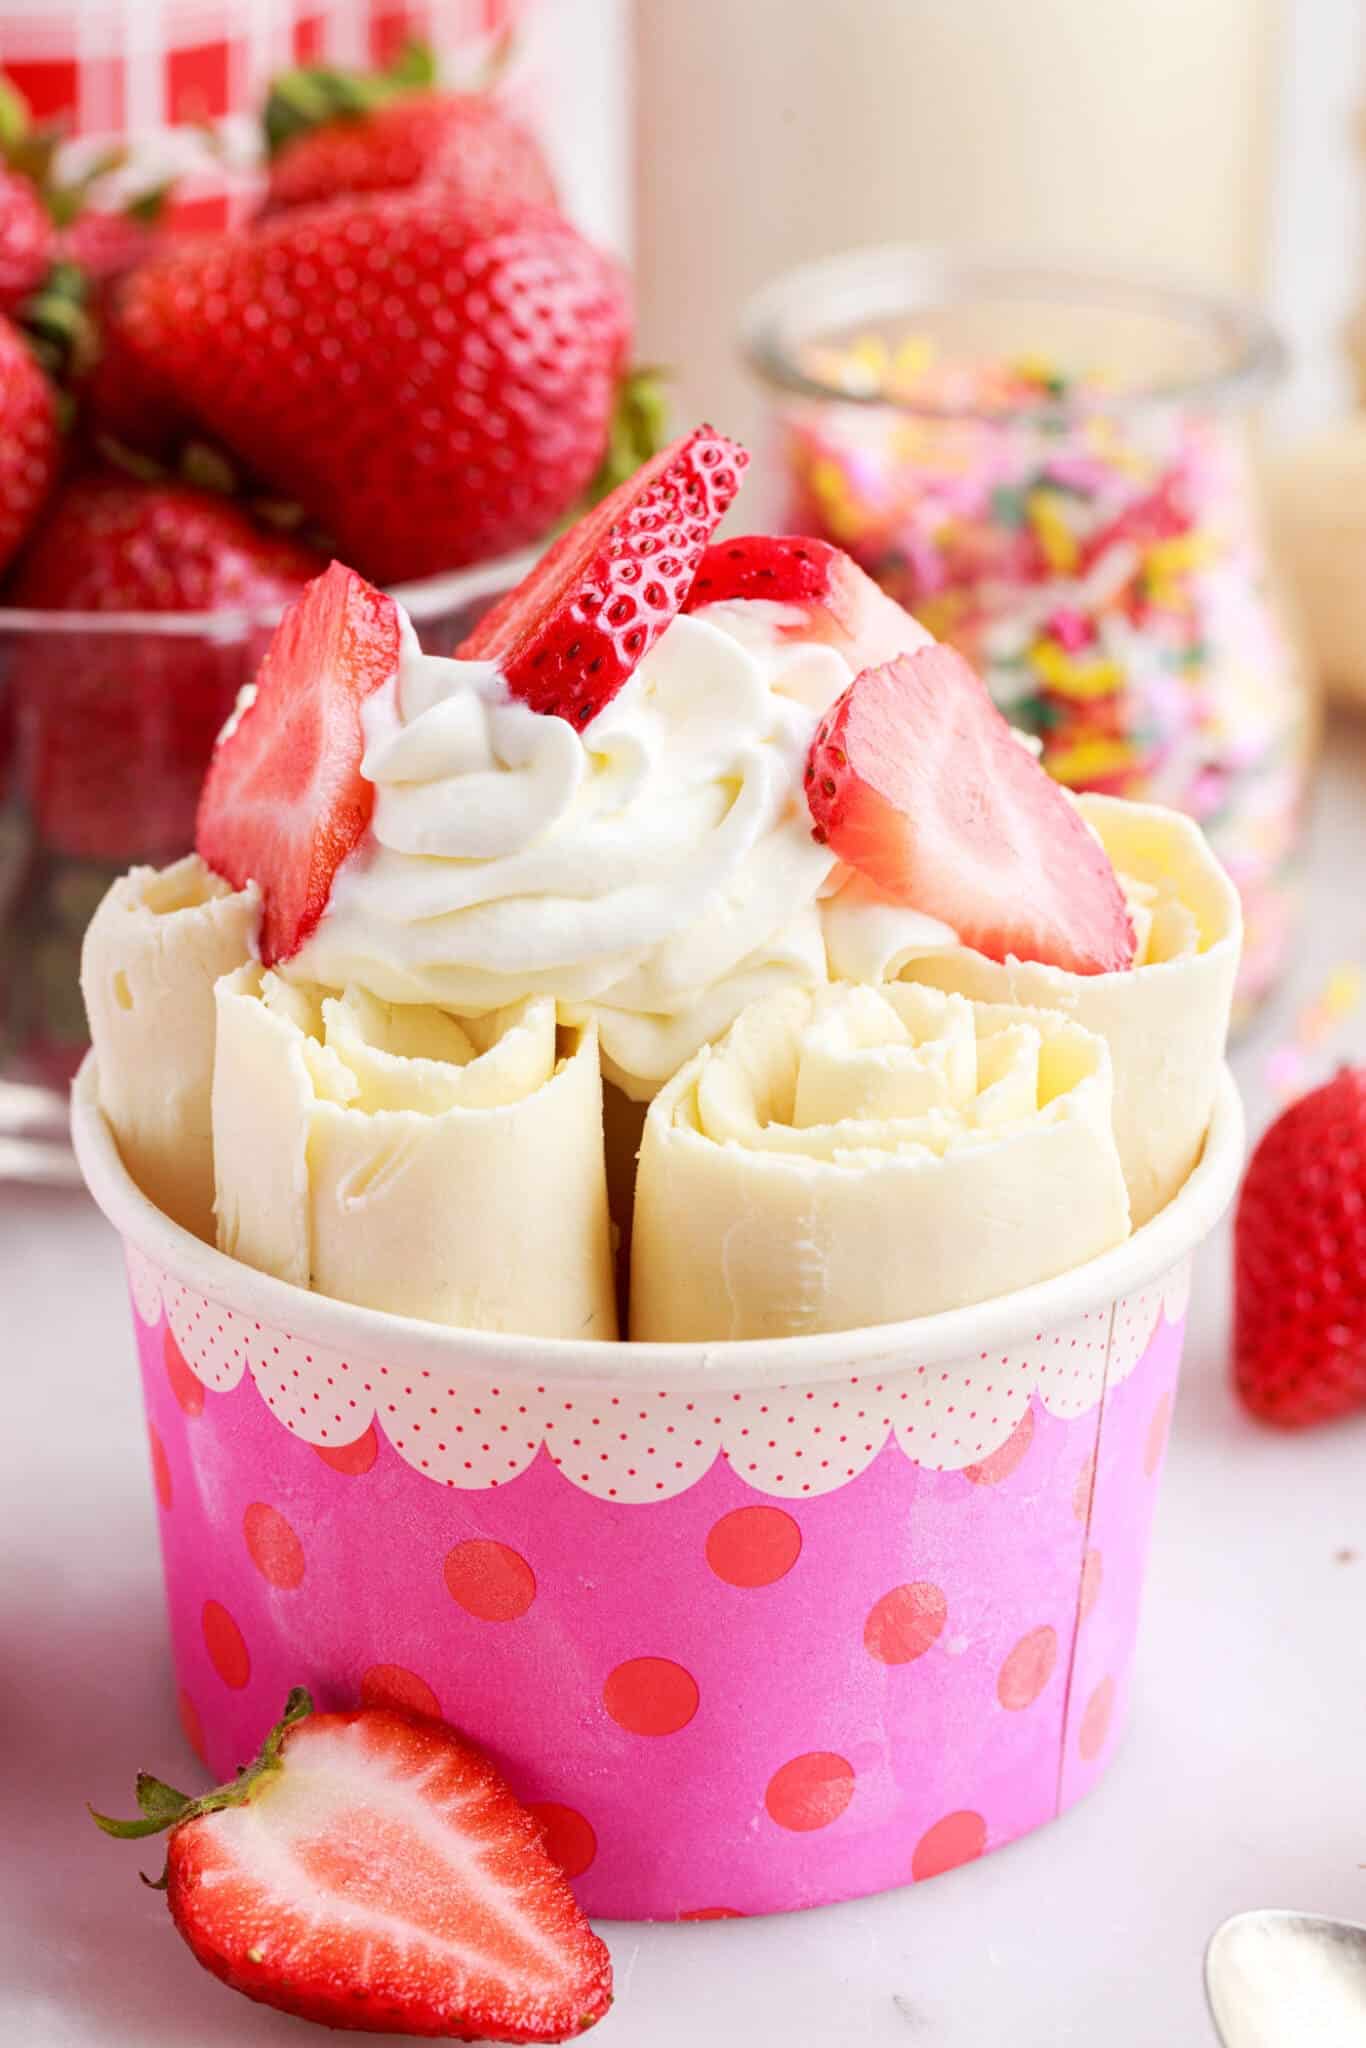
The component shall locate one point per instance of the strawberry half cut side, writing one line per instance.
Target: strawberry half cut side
(284, 801)
(916, 780)
(372, 1870)
(570, 634)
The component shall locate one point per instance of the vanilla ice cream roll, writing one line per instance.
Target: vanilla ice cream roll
(1166, 1018)
(392, 1156)
(854, 1155)
(156, 945)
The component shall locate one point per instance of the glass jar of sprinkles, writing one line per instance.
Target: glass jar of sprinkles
(1052, 471)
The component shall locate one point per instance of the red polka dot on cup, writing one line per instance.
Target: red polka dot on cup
(226, 1646)
(1003, 1461)
(1091, 1570)
(489, 1580)
(651, 1696)
(1027, 1669)
(354, 1458)
(905, 1623)
(1082, 1491)
(191, 1725)
(810, 1791)
(958, 1838)
(189, 1391)
(568, 1836)
(753, 1546)
(393, 1685)
(1095, 1720)
(273, 1547)
(161, 1470)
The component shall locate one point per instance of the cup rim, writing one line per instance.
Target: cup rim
(950, 1336)
(863, 283)
(430, 597)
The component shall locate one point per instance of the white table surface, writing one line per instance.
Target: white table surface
(1240, 1782)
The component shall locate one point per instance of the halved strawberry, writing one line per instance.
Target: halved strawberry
(915, 779)
(284, 800)
(839, 602)
(372, 1870)
(570, 634)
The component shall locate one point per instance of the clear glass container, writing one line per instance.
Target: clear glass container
(106, 723)
(1053, 471)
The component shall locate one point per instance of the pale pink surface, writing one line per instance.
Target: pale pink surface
(765, 1754)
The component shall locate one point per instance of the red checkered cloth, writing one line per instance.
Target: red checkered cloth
(155, 73)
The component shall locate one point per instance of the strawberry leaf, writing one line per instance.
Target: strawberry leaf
(638, 430)
(312, 95)
(160, 1806)
(159, 1801)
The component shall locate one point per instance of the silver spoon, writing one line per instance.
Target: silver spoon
(1287, 1980)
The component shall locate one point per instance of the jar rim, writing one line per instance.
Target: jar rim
(878, 282)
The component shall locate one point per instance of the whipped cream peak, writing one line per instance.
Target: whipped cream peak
(653, 873)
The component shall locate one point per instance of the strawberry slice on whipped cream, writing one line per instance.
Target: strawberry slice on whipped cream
(570, 635)
(822, 594)
(916, 780)
(284, 801)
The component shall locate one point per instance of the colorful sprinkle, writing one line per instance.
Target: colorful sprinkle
(1099, 565)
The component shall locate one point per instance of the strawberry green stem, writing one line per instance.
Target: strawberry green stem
(160, 1806)
(314, 94)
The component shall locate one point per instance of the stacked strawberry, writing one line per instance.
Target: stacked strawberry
(411, 358)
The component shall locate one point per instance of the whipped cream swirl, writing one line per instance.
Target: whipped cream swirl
(655, 871)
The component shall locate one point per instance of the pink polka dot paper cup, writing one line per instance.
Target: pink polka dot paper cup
(752, 1626)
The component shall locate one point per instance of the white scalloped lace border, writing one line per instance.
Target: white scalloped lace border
(650, 1444)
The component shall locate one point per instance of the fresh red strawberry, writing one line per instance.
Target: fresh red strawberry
(916, 780)
(284, 800)
(568, 636)
(431, 390)
(28, 440)
(121, 397)
(116, 728)
(27, 239)
(462, 143)
(372, 1870)
(124, 399)
(1299, 1330)
(838, 602)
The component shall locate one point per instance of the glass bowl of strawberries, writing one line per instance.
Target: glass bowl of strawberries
(408, 359)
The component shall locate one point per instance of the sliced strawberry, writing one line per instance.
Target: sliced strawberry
(915, 779)
(787, 568)
(372, 1870)
(570, 634)
(284, 801)
(838, 601)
